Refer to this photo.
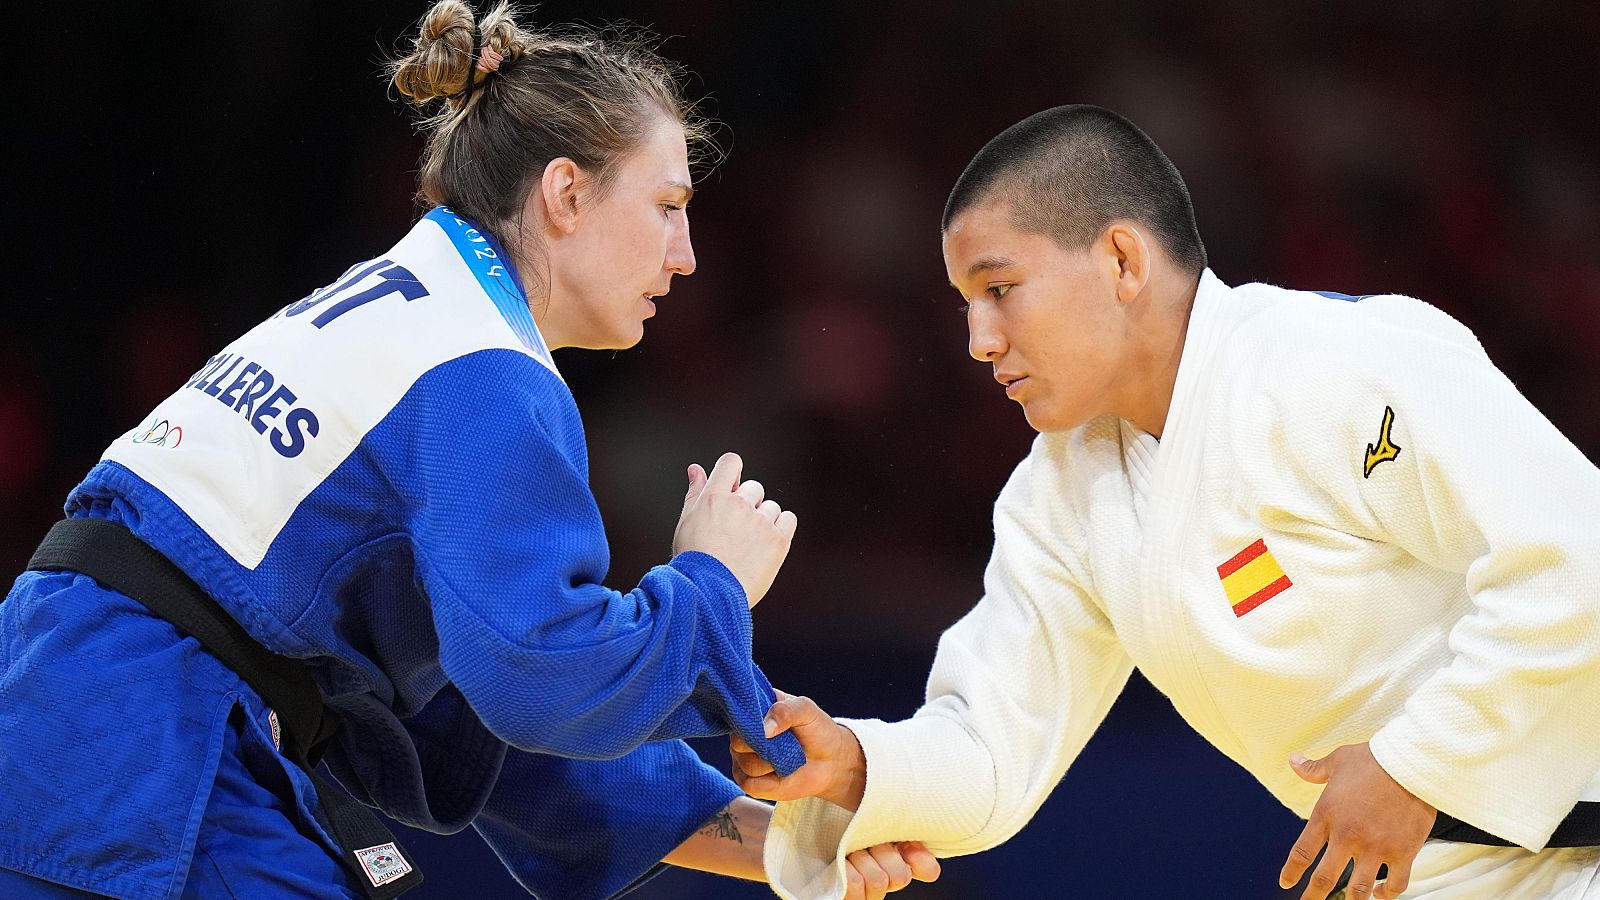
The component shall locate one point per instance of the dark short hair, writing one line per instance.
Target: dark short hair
(1070, 171)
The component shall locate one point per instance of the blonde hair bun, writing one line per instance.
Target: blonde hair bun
(535, 95)
(442, 61)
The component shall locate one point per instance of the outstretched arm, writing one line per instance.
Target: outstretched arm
(1017, 688)
(731, 843)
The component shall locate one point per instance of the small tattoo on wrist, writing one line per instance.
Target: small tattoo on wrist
(722, 826)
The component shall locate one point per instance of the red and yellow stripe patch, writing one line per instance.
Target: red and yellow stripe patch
(1252, 577)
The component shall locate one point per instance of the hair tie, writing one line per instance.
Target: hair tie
(491, 60)
(485, 59)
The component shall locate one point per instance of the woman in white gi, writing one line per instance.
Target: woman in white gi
(379, 498)
(1357, 560)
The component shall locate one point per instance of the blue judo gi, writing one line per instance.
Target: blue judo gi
(388, 480)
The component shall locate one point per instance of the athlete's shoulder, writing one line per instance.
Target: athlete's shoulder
(426, 332)
(1332, 382)
(446, 289)
(1289, 342)
(1313, 325)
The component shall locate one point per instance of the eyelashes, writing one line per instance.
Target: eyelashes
(996, 292)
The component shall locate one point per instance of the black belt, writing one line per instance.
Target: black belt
(112, 555)
(1581, 828)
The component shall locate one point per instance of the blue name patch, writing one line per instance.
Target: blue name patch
(255, 394)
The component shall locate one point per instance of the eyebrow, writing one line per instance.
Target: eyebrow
(989, 263)
(984, 265)
(688, 190)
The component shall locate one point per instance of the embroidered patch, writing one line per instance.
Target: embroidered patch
(161, 433)
(1252, 577)
(277, 733)
(382, 863)
(1385, 449)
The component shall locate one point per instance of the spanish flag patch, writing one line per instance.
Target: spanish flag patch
(1252, 577)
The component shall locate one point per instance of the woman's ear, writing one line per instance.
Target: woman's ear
(558, 187)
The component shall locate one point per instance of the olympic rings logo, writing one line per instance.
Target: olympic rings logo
(161, 433)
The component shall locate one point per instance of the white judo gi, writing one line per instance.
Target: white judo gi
(1354, 528)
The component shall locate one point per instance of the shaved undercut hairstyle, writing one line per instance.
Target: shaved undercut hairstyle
(1068, 172)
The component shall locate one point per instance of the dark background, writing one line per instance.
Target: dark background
(180, 171)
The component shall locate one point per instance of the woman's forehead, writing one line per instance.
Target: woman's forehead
(662, 157)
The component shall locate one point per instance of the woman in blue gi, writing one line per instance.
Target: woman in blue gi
(380, 496)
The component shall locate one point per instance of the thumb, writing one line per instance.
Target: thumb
(789, 713)
(697, 483)
(1312, 770)
(776, 721)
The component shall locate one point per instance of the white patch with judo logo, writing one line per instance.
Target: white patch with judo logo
(382, 863)
(277, 733)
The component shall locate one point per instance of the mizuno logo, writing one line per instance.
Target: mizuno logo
(1385, 449)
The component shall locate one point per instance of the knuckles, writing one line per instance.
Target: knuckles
(1348, 833)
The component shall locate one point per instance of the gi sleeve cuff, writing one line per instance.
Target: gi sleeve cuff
(928, 779)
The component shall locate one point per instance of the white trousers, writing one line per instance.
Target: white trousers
(1446, 871)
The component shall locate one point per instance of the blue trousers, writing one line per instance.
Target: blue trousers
(248, 845)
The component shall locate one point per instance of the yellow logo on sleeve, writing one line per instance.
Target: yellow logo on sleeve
(1385, 449)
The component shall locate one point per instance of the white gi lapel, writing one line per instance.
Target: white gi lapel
(1167, 524)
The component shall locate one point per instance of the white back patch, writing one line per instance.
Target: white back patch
(269, 418)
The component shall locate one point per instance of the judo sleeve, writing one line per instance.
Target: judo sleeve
(1466, 475)
(588, 829)
(512, 554)
(1017, 688)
